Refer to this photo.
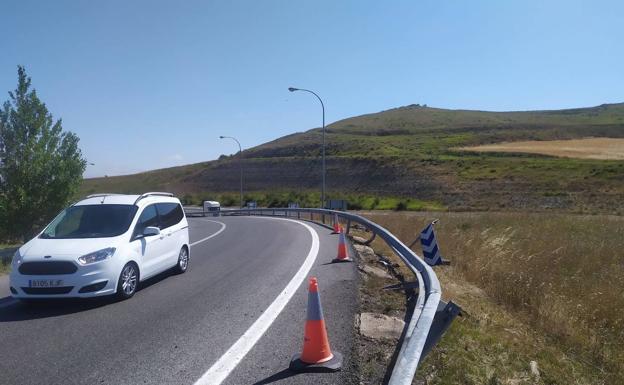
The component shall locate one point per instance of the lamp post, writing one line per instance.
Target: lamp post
(293, 89)
(240, 161)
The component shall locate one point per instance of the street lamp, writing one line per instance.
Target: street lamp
(293, 89)
(240, 160)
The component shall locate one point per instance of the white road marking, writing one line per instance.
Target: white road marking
(235, 354)
(223, 226)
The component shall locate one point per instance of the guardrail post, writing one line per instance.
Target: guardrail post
(443, 318)
(348, 225)
(323, 218)
(372, 238)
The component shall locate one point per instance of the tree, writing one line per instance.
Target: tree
(41, 165)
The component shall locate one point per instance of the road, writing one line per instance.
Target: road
(178, 327)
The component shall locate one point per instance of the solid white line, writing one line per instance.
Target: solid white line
(223, 226)
(235, 354)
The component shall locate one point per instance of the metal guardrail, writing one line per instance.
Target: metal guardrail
(430, 317)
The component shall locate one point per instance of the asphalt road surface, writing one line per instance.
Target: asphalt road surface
(199, 326)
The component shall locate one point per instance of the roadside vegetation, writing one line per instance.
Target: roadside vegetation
(312, 199)
(6, 256)
(41, 165)
(534, 287)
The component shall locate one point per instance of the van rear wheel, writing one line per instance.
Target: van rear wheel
(183, 260)
(128, 281)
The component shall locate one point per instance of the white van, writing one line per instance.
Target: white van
(212, 208)
(104, 244)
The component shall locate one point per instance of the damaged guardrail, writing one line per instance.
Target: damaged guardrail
(430, 317)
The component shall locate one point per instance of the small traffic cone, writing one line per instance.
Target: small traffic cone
(343, 255)
(337, 226)
(316, 354)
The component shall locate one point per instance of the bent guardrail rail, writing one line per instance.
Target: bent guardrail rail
(431, 316)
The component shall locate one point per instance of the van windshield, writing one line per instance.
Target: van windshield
(90, 221)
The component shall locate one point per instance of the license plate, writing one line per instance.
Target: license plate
(45, 282)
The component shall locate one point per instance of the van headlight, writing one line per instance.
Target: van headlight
(96, 256)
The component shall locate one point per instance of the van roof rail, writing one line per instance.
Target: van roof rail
(100, 195)
(153, 193)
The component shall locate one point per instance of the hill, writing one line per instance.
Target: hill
(412, 155)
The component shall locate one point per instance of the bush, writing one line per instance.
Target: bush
(401, 206)
(189, 200)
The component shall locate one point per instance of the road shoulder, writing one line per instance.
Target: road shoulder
(268, 361)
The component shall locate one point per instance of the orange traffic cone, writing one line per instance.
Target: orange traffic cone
(343, 255)
(316, 355)
(336, 224)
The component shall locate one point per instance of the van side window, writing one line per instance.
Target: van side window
(149, 217)
(170, 214)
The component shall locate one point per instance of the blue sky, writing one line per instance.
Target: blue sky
(150, 84)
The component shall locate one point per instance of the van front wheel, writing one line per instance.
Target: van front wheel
(183, 261)
(128, 281)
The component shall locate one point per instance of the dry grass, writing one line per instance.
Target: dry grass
(562, 276)
(589, 148)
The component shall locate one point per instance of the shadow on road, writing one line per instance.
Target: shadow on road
(45, 308)
(286, 373)
(36, 309)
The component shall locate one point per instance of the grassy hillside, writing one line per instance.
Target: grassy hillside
(411, 153)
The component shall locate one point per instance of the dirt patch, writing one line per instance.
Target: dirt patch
(589, 148)
(381, 322)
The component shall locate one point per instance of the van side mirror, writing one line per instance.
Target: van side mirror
(151, 231)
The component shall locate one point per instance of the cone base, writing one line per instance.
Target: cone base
(338, 260)
(333, 365)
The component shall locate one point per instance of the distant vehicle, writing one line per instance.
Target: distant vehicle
(104, 244)
(212, 208)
